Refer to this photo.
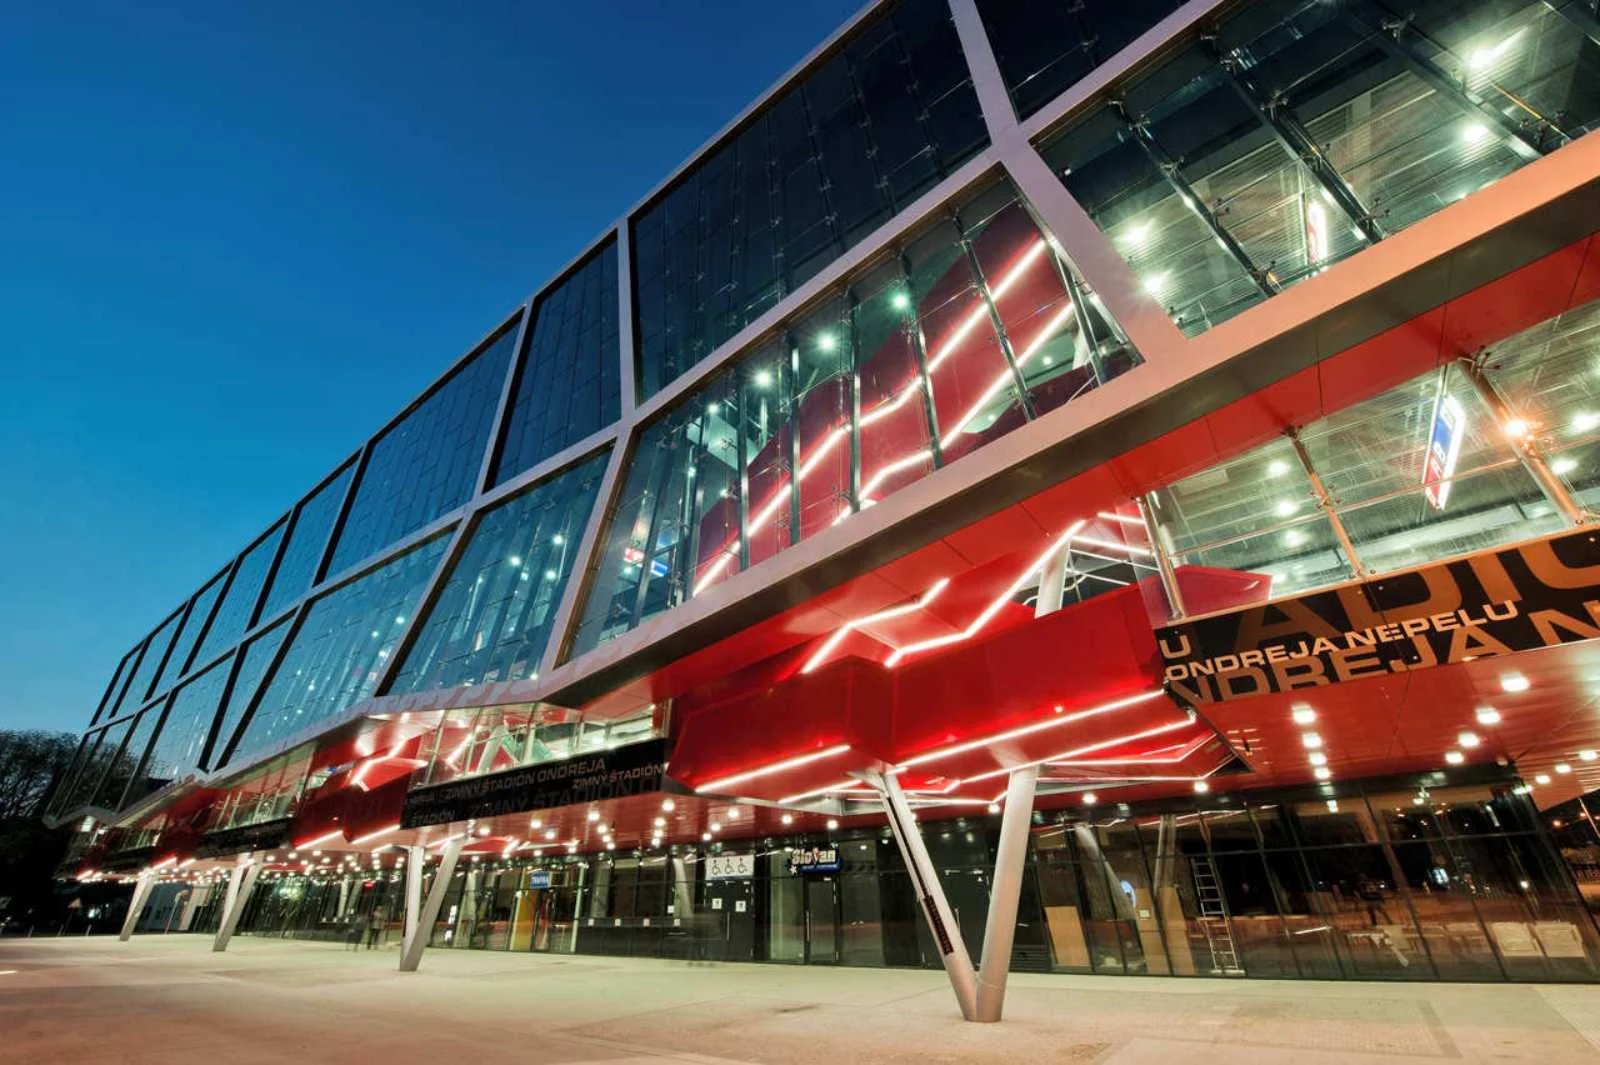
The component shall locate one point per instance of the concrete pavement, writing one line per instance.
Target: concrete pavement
(169, 1000)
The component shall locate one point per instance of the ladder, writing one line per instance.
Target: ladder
(1212, 906)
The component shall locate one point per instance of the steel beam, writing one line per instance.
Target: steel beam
(428, 914)
(241, 880)
(1005, 891)
(142, 887)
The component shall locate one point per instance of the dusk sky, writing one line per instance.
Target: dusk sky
(236, 237)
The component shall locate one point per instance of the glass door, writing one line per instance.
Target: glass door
(822, 921)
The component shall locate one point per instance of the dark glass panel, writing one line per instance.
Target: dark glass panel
(237, 611)
(258, 655)
(493, 615)
(340, 648)
(143, 684)
(181, 743)
(427, 464)
(194, 626)
(567, 387)
(308, 541)
(813, 173)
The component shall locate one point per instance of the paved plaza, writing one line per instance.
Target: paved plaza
(169, 1000)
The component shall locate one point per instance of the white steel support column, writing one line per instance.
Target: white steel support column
(415, 856)
(142, 887)
(935, 907)
(422, 930)
(1005, 891)
(241, 880)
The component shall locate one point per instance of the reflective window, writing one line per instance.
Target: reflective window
(194, 625)
(237, 610)
(492, 618)
(119, 684)
(1043, 49)
(340, 647)
(1292, 135)
(180, 744)
(477, 740)
(567, 386)
(142, 685)
(253, 666)
(308, 540)
(969, 329)
(428, 463)
(870, 128)
(117, 759)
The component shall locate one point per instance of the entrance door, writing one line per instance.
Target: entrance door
(822, 920)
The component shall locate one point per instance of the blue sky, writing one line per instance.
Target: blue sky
(235, 238)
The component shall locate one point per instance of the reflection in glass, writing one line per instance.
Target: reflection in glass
(308, 541)
(237, 611)
(194, 625)
(255, 659)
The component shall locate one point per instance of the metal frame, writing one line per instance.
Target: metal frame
(1171, 362)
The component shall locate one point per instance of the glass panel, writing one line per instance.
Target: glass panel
(428, 463)
(567, 387)
(194, 624)
(181, 742)
(143, 684)
(864, 133)
(340, 648)
(1043, 49)
(238, 608)
(258, 656)
(1371, 921)
(114, 690)
(308, 540)
(710, 487)
(118, 759)
(492, 618)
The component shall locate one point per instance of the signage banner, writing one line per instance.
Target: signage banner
(635, 769)
(539, 878)
(730, 867)
(266, 836)
(814, 860)
(1538, 594)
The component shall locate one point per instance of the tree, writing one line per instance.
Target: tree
(32, 765)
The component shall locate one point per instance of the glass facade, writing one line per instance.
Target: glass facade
(308, 542)
(141, 686)
(568, 385)
(1292, 135)
(473, 741)
(194, 627)
(254, 661)
(492, 618)
(237, 611)
(1259, 512)
(428, 463)
(180, 745)
(870, 128)
(1045, 48)
(967, 330)
(340, 648)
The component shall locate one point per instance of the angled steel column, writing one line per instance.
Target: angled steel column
(1394, 39)
(241, 880)
(415, 857)
(1326, 504)
(1169, 170)
(411, 953)
(1158, 547)
(1532, 461)
(1005, 891)
(1296, 140)
(930, 893)
(142, 887)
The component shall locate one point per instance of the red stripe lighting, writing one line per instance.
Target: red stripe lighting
(1054, 721)
(774, 767)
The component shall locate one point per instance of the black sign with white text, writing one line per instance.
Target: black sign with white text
(1537, 594)
(266, 836)
(632, 770)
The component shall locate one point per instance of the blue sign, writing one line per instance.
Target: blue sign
(814, 860)
(539, 878)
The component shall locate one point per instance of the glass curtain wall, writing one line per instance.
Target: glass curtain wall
(194, 627)
(237, 611)
(1291, 135)
(180, 744)
(472, 741)
(308, 541)
(568, 384)
(492, 617)
(143, 683)
(967, 330)
(254, 660)
(874, 125)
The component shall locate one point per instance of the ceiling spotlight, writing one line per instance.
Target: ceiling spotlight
(832, 824)
(1542, 778)
(1201, 787)
(1090, 798)
(1514, 682)
(1488, 715)
(1563, 768)
(1468, 739)
(1318, 758)
(787, 819)
(731, 814)
(594, 815)
(1302, 714)
(1454, 757)
(549, 833)
(1588, 756)
(715, 827)
(994, 807)
(1311, 740)
(536, 823)
(1322, 772)
(705, 837)
(661, 822)
(668, 805)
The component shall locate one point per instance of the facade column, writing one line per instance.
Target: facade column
(199, 895)
(241, 880)
(428, 912)
(1158, 547)
(930, 893)
(415, 857)
(1011, 859)
(1551, 485)
(143, 885)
